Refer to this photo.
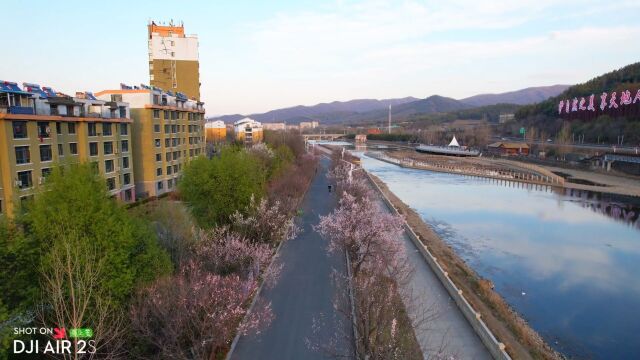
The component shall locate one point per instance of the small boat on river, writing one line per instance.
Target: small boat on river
(453, 149)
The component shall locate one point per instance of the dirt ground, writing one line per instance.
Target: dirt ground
(521, 341)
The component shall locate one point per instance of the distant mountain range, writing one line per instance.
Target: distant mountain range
(372, 110)
(519, 97)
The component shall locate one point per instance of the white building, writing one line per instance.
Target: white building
(248, 130)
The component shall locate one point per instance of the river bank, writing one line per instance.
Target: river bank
(525, 172)
(520, 339)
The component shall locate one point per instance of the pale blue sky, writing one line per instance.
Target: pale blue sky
(260, 55)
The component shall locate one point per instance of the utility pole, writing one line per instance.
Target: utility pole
(389, 119)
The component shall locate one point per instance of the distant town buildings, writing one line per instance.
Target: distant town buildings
(40, 128)
(248, 131)
(308, 125)
(274, 126)
(215, 131)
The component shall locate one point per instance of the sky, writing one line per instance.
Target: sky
(257, 56)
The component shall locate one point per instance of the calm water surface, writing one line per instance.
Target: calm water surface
(568, 262)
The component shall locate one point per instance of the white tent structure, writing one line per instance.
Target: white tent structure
(454, 142)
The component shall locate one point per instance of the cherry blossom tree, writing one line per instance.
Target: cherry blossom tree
(367, 234)
(196, 312)
(265, 222)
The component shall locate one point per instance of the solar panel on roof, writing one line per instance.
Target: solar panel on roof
(34, 88)
(49, 91)
(89, 95)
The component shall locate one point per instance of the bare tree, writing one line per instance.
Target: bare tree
(73, 300)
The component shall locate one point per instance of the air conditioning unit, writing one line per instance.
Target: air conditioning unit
(18, 183)
(40, 180)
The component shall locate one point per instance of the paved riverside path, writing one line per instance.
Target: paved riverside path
(449, 326)
(304, 289)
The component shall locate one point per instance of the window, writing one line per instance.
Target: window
(175, 169)
(58, 128)
(24, 179)
(111, 183)
(93, 131)
(108, 166)
(23, 155)
(70, 110)
(45, 153)
(60, 150)
(156, 128)
(124, 129)
(19, 129)
(167, 142)
(125, 162)
(167, 129)
(158, 157)
(73, 148)
(93, 149)
(106, 129)
(44, 130)
(157, 141)
(168, 170)
(126, 179)
(123, 112)
(167, 156)
(53, 110)
(125, 145)
(174, 128)
(71, 128)
(166, 115)
(158, 171)
(156, 113)
(160, 185)
(108, 147)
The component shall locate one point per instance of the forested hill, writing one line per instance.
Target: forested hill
(626, 78)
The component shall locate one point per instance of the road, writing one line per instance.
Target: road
(304, 290)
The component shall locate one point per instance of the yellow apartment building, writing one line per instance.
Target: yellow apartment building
(215, 131)
(168, 132)
(40, 129)
(173, 59)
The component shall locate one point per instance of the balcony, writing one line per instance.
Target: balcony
(19, 110)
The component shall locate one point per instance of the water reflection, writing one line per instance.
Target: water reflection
(566, 260)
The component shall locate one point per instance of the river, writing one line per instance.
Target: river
(567, 261)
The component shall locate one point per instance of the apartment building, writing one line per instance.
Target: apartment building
(168, 132)
(40, 128)
(248, 131)
(215, 131)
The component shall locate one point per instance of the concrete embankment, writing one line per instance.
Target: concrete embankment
(456, 323)
(480, 300)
